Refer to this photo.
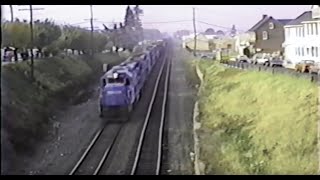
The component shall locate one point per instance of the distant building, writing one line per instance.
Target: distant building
(243, 41)
(201, 45)
(269, 34)
(302, 37)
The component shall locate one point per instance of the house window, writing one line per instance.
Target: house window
(271, 25)
(299, 32)
(312, 51)
(302, 51)
(316, 51)
(311, 27)
(308, 51)
(264, 35)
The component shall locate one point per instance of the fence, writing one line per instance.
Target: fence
(274, 70)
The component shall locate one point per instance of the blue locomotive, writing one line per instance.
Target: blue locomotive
(121, 86)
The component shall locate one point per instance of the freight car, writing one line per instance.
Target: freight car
(121, 86)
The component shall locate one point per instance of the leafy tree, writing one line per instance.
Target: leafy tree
(138, 24)
(129, 19)
(69, 35)
(45, 33)
(16, 34)
(100, 41)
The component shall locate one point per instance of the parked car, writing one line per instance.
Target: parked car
(242, 59)
(288, 64)
(264, 59)
(276, 62)
(304, 66)
(255, 57)
(315, 68)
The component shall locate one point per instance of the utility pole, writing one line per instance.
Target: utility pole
(11, 11)
(92, 30)
(195, 32)
(318, 130)
(91, 24)
(31, 37)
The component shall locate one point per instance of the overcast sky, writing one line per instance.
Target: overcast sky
(166, 18)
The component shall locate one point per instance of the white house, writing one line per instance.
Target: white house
(243, 41)
(302, 37)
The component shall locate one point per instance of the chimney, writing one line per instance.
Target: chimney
(264, 16)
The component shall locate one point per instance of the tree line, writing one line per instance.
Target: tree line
(51, 38)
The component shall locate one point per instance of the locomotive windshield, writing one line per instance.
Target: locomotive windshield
(118, 80)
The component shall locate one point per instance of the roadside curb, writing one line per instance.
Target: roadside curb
(198, 165)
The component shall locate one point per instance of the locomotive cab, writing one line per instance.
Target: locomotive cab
(116, 94)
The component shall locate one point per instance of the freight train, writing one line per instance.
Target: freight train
(122, 85)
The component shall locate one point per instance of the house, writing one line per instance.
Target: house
(245, 41)
(225, 43)
(202, 42)
(269, 34)
(302, 37)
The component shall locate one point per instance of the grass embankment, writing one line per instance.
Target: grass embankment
(257, 123)
(26, 106)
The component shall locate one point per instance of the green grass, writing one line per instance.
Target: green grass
(189, 66)
(26, 107)
(257, 123)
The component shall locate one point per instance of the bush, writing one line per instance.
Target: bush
(26, 106)
(257, 123)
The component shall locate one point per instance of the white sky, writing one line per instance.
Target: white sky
(158, 16)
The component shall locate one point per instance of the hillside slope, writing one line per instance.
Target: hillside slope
(257, 123)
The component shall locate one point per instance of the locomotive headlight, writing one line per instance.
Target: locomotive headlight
(115, 75)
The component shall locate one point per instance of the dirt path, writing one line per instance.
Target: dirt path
(180, 114)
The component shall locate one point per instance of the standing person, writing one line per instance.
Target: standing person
(5, 54)
(24, 55)
(15, 54)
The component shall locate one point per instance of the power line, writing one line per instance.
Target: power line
(159, 22)
(223, 27)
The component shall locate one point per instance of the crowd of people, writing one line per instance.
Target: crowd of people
(11, 54)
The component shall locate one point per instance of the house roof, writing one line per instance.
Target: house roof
(302, 17)
(284, 21)
(262, 21)
(265, 19)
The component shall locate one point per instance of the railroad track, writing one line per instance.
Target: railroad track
(148, 155)
(100, 146)
(96, 154)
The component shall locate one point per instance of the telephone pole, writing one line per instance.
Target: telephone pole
(195, 32)
(92, 30)
(31, 37)
(11, 12)
(91, 24)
